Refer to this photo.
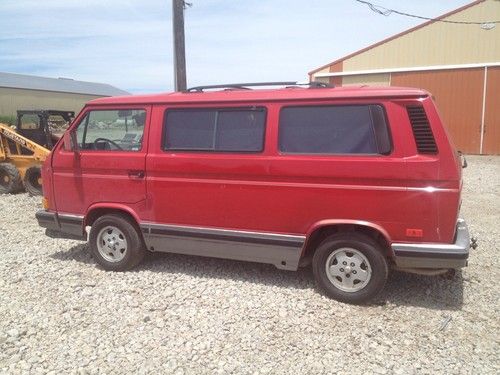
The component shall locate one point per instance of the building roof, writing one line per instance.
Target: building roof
(397, 36)
(27, 82)
(264, 95)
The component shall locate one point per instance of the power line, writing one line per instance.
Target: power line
(387, 12)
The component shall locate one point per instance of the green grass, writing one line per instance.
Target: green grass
(9, 120)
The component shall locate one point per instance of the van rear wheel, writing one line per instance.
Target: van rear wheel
(350, 267)
(116, 243)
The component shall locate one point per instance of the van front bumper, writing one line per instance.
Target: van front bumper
(61, 225)
(430, 255)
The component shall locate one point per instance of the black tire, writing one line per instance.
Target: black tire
(370, 251)
(33, 180)
(134, 252)
(10, 179)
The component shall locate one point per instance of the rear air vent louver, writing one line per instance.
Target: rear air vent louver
(421, 130)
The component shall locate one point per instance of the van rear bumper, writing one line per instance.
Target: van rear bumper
(430, 255)
(61, 225)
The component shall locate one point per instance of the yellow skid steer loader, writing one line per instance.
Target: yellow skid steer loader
(22, 151)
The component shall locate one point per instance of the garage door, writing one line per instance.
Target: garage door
(491, 137)
(459, 95)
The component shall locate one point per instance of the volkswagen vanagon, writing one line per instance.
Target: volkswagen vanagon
(355, 180)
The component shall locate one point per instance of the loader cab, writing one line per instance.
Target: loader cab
(43, 127)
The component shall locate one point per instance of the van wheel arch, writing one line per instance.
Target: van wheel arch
(321, 233)
(97, 212)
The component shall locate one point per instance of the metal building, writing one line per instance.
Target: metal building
(19, 91)
(458, 63)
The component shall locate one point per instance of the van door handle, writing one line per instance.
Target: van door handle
(136, 174)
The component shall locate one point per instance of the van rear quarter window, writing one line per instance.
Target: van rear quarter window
(336, 129)
(215, 130)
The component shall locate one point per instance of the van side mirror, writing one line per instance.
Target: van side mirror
(69, 141)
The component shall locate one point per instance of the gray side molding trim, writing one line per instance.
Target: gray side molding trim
(429, 255)
(283, 251)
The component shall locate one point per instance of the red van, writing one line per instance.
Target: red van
(356, 180)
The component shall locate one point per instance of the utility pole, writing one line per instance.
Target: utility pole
(179, 45)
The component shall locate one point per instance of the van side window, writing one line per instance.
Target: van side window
(215, 130)
(338, 129)
(111, 130)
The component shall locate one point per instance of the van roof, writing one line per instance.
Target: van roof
(240, 95)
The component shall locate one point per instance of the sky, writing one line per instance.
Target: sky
(128, 43)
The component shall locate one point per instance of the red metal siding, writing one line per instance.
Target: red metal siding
(336, 81)
(459, 95)
(491, 142)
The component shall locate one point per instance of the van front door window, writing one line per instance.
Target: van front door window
(112, 130)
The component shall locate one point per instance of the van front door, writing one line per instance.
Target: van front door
(107, 164)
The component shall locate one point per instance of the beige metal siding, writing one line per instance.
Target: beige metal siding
(322, 79)
(13, 99)
(383, 79)
(325, 70)
(438, 43)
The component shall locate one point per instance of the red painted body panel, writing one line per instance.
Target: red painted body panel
(266, 96)
(269, 191)
(88, 177)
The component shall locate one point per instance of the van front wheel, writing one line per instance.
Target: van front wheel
(115, 243)
(350, 267)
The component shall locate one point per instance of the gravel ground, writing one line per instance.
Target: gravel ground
(60, 313)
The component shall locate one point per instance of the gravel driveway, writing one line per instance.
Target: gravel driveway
(177, 314)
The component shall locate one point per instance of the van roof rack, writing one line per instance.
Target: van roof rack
(247, 86)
